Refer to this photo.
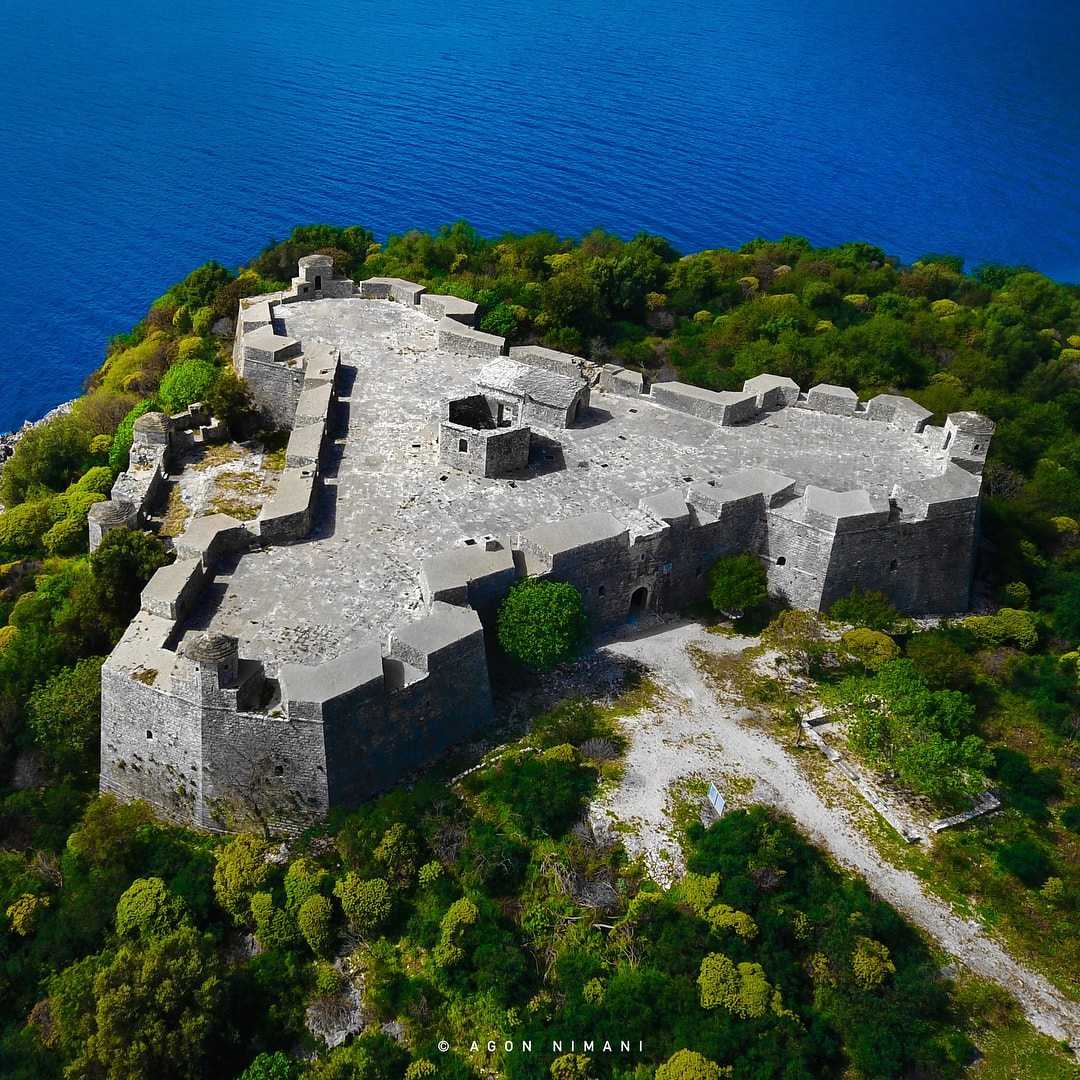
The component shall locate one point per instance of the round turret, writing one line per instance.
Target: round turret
(152, 427)
(103, 517)
(219, 652)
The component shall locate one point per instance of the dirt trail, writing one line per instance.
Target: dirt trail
(690, 734)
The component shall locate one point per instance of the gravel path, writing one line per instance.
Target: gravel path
(689, 734)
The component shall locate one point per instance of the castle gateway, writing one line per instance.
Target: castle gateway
(315, 655)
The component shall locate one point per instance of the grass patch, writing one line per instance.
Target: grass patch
(275, 444)
(218, 454)
(175, 515)
(1008, 1047)
(247, 483)
(238, 494)
(239, 509)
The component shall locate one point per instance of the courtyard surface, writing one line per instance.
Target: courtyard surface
(387, 503)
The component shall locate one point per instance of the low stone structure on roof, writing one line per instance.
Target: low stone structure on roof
(308, 659)
(473, 438)
(531, 392)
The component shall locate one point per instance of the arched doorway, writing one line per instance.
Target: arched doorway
(639, 600)
(318, 282)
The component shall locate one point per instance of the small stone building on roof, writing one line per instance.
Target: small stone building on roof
(532, 394)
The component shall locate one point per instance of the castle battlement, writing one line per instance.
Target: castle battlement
(312, 657)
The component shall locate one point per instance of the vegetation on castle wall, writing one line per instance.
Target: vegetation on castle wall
(492, 909)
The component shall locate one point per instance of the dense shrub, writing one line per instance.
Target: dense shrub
(121, 445)
(737, 584)
(186, 382)
(1008, 626)
(865, 608)
(541, 623)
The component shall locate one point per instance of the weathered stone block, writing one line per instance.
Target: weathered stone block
(838, 400)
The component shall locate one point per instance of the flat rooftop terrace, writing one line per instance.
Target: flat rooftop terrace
(387, 503)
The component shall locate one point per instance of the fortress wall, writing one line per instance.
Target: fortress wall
(724, 408)
(906, 561)
(436, 306)
(141, 482)
(208, 538)
(276, 389)
(491, 453)
(173, 589)
(385, 288)
(772, 391)
(617, 380)
(549, 359)
(287, 517)
(165, 768)
(241, 785)
(739, 527)
(463, 340)
(806, 551)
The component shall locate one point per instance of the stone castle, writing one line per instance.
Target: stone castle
(314, 656)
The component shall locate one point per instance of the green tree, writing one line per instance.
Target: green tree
(572, 1067)
(895, 720)
(737, 584)
(690, 1065)
(239, 872)
(455, 923)
(46, 457)
(1006, 626)
(371, 1057)
(122, 564)
(24, 912)
(316, 922)
(276, 1066)
(229, 399)
(541, 623)
(871, 963)
(125, 434)
(153, 1011)
(303, 879)
(366, 903)
(741, 989)
(65, 711)
(148, 910)
(186, 382)
(871, 648)
(201, 286)
(397, 851)
(274, 928)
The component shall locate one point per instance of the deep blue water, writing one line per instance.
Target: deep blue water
(138, 140)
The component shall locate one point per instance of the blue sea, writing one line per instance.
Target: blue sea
(138, 140)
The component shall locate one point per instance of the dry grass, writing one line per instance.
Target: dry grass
(274, 447)
(218, 454)
(176, 514)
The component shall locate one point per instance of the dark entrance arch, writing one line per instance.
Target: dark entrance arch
(639, 600)
(318, 282)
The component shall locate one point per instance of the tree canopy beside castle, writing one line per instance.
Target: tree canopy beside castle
(131, 948)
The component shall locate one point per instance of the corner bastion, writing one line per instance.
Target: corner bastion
(315, 656)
